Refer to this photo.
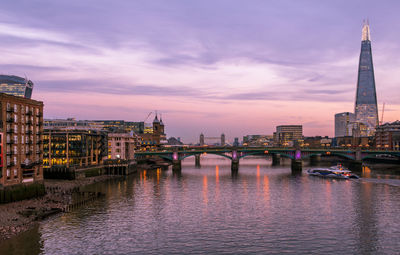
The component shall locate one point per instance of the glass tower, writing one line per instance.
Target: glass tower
(16, 86)
(366, 109)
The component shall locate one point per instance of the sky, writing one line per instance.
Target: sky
(209, 66)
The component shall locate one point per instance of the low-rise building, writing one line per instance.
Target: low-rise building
(387, 136)
(317, 142)
(258, 140)
(123, 145)
(21, 125)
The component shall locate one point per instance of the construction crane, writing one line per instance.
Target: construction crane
(147, 117)
(383, 111)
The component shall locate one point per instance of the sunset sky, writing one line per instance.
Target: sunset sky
(233, 67)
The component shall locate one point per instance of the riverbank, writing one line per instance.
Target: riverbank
(18, 217)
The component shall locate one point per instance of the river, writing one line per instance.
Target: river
(263, 210)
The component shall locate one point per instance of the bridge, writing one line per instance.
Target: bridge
(297, 155)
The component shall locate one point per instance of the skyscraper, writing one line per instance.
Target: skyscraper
(16, 86)
(343, 124)
(366, 109)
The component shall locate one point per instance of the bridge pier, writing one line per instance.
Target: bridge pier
(297, 165)
(235, 165)
(176, 165)
(197, 161)
(355, 165)
(315, 159)
(276, 159)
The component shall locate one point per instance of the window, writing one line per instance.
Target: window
(15, 161)
(15, 139)
(15, 118)
(8, 173)
(15, 108)
(15, 173)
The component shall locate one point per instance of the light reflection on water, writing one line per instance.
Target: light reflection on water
(262, 210)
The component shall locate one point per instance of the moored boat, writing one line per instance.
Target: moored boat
(337, 172)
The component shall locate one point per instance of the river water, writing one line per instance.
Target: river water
(262, 210)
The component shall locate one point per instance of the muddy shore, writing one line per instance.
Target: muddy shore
(18, 217)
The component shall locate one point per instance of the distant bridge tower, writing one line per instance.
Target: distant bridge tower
(222, 139)
(201, 139)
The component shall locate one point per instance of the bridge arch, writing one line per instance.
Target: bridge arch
(201, 153)
(373, 155)
(330, 154)
(284, 155)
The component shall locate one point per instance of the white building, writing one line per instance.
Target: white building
(123, 145)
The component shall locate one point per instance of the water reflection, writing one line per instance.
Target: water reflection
(366, 223)
(261, 210)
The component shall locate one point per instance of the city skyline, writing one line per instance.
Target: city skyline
(210, 68)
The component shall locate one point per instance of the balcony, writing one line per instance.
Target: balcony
(10, 119)
(9, 153)
(10, 130)
(10, 141)
(29, 132)
(40, 115)
(29, 113)
(29, 122)
(10, 109)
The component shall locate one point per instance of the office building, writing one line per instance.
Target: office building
(16, 86)
(73, 148)
(288, 135)
(343, 124)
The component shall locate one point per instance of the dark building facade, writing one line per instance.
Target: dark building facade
(366, 110)
(16, 86)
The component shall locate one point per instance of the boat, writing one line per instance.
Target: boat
(337, 172)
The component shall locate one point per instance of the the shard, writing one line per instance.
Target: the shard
(366, 109)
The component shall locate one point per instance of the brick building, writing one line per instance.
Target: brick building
(21, 127)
